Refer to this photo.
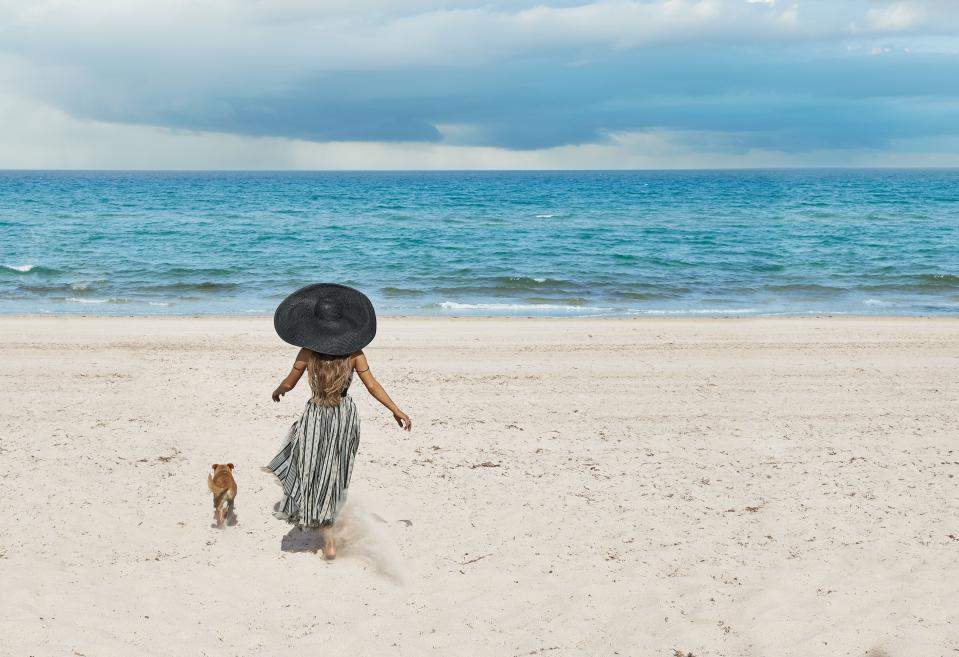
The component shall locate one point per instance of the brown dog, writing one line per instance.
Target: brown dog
(223, 487)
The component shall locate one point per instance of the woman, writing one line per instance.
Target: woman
(331, 324)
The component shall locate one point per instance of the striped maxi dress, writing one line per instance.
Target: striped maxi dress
(316, 461)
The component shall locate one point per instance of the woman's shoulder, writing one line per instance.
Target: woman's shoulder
(304, 354)
(359, 362)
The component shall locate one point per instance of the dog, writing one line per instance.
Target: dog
(223, 487)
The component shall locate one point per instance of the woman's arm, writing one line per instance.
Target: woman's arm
(363, 369)
(299, 366)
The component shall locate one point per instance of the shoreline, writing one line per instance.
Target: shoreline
(654, 317)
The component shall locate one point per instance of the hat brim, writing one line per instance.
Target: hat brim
(298, 321)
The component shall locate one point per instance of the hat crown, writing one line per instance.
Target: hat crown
(328, 310)
(326, 318)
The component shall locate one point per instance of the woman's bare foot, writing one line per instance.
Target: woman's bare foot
(329, 545)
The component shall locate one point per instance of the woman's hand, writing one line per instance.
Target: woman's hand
(299, 366)
(403, 420)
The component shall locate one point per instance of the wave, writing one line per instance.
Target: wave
(206, 286)
(392, 292)
(19, 268)
(529, 282)
(938, 281)
(197, 271)
(575, 309)
(920, 283)
(653, 294)
(804, 287)
(519, 307)
(97, 300)
(495, 285)
(27, 269)
(54, 289)
(578, 302)
(136, 290)
(698, 311)
(76, 300)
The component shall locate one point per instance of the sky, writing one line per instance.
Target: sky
(432, 84)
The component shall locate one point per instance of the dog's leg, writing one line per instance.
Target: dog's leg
(218, 506)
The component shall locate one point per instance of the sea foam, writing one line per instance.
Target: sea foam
(696, 311)
(76, 300)
(23, 269)
(521, 307)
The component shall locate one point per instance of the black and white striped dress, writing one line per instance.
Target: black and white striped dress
(316, 461)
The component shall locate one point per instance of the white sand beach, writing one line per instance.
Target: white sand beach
(637, 487)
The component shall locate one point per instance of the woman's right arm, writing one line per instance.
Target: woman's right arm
(362, 368)
(299, 366)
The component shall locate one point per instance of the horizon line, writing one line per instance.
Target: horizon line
(490, 170)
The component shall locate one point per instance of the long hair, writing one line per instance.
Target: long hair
(327, 376)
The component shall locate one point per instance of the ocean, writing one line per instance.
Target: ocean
(759, 242)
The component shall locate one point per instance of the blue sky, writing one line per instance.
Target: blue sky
(430, 84)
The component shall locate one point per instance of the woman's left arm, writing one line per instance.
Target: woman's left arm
(362, 368)
(299, 366)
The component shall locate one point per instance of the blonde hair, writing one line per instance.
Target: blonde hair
(328, 374)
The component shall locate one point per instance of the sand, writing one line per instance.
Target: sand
(571, 487)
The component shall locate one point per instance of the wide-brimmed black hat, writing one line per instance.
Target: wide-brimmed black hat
(327, 318)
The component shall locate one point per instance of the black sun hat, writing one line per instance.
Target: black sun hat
(327, 318)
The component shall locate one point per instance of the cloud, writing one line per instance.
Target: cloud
(725, 76)
(909, 17)
(897, 17)
(34, 136)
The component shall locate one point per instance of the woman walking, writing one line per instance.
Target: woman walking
(331, 324)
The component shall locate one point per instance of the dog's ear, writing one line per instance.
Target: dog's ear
(229, 465)
(216, 465)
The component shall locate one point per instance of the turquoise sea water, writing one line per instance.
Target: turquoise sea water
(490, 243)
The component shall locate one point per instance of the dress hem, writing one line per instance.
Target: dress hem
(294, 518)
